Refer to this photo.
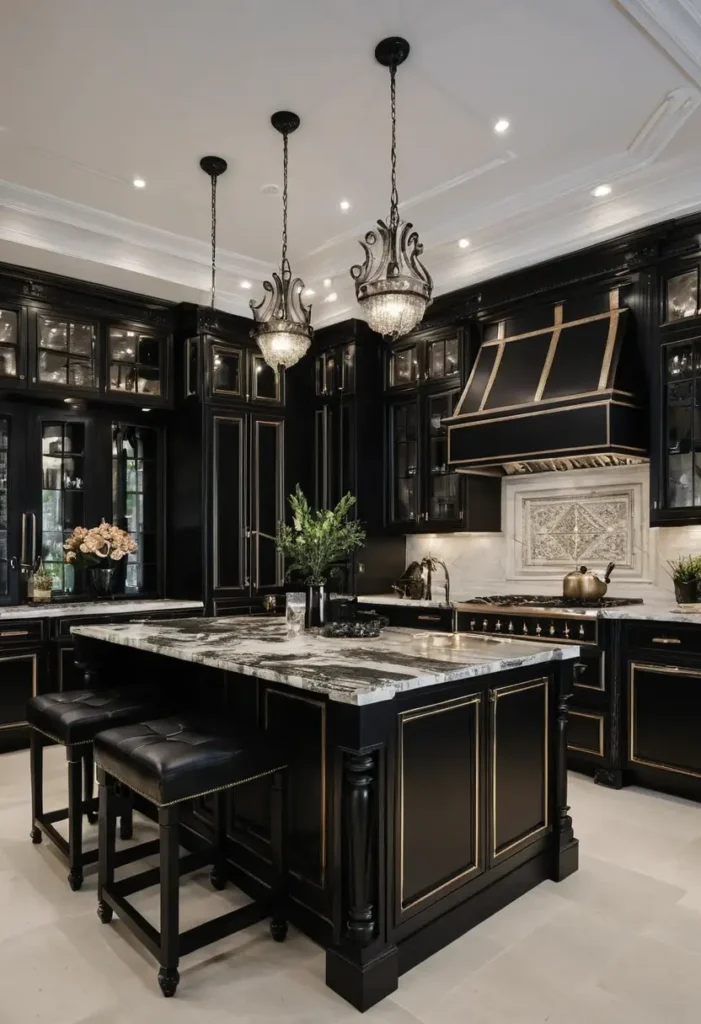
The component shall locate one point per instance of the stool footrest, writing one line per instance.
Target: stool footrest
(135, 922)
(220, 927)
(145, 879)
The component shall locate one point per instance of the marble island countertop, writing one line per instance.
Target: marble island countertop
(358, 671)
(126, 606)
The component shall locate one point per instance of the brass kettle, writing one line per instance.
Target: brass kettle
(585, 585)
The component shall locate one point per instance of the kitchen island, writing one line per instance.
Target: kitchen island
(427, 772)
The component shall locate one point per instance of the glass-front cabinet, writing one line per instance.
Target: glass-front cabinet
(136, 361)
(335, 370)
(11, 352)
(431, 357)
(62, 496)
(682, 424)
(135, 501)
(66, 352)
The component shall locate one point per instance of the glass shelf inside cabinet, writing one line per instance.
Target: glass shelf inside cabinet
(9, 342)
(62, 496)
(135, 362)
(66, 353)
(683, 424)
(134, 501)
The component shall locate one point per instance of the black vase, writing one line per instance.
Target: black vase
(686, 592)
(315, 614)
(102, 581)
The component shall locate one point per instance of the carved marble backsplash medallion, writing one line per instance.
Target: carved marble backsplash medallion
(563, 531)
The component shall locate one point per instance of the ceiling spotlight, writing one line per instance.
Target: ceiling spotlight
(463, 243)
(327, 282)
(501, 126)
(68, 400)
(246, 284)
(139, 183)
(146, 408)
(331, 297)
(600, 191)
(309, 291)
(344, 204)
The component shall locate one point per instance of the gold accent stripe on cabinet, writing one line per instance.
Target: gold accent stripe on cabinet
(492, 376)
(548, 330)
(608, 393)
(608, 351)
(547, 365)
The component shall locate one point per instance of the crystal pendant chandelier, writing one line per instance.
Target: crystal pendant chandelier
(282, 328)
(213, 166)
(392, 286)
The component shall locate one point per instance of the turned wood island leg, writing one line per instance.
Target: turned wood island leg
(566, 852)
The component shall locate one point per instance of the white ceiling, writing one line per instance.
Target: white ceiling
(95, 92)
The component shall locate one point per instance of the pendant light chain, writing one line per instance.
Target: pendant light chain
(214, 234)
(284, 264)
(394, 199)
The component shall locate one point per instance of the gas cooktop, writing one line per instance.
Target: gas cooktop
(544, 601)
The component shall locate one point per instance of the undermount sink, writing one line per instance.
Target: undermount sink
(456, 640)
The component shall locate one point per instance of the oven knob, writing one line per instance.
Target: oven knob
(485, 624)
(566, 630)
(552, 629)
(581, 629)
(538, 629)
(473, 624)
(525, 629)
(511, 627)
(497, 625)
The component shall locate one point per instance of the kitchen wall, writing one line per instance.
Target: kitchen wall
(554, 521)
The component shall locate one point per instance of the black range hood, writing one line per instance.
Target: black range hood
(561, 396)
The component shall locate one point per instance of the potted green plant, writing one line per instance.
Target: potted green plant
(685, 572)
(313, 542)
(40, 585)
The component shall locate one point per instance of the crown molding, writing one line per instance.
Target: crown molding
(675, 25)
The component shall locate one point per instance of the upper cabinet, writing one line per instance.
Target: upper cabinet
(335, 370)
(426, 358)
(13, 370)
(137, 363)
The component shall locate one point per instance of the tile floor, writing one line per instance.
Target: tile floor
(617, 943)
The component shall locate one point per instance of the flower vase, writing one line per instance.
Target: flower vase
(102, 581)
(315, 614)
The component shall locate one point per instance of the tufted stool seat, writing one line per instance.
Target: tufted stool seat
(170, 761)
(73, 718)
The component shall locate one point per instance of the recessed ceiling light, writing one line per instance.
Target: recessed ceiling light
(331, 297)
(327, 282)
(463, 243)
(309, 291)
(270, 190)
(68, 400)
(344, 204)
(146, 408)
(501, 126)
(139, 183)
(600, 191)
(246, 284)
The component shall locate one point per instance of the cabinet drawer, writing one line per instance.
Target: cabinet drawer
(19, 676)
(586, 732)
(668, 637)
(412, 618)
(21, 631)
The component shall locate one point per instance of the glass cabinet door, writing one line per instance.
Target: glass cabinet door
(682, 370)
(9, 344)
(443, 486)
(682, 297)
(62, 496)
(267, 461)
(403, 366)
(442, 359)
(227, 370)
(326, 371)
(136, 362)
(229, 512)
(405, 461)
(135, 501)
(348, 368)
(4, 501)
(66, 352)
(266, 385)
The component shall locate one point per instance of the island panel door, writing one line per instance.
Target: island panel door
(664, 711)
(519, 765)
(438, 844)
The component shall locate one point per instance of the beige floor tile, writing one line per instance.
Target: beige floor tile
(658, 979)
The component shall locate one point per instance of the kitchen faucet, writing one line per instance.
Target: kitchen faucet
(431, 565)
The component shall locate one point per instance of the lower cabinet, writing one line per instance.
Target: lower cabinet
(21, 677)
(664, 718)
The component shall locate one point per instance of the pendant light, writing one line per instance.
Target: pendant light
(392, 286)
(282, 328)
(213, 166)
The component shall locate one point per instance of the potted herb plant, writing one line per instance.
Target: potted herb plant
(40, 585)
(685, 572)
(99, 550)
(313, 542)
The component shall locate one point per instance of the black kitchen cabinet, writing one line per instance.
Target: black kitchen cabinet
(61, 468)
(426, 357)
(22, 675)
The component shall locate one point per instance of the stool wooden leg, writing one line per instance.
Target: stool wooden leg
(278, 921)
(106, 841)
(168, 976)
(75, 818)
(89, 781)
(218, 874)
(36, 765)
(126, 819)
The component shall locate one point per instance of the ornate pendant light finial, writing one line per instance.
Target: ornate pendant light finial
(282, 327)
(214, 166)
(392, 286)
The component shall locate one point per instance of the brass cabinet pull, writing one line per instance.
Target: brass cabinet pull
(429, 618)
(665, 640)
(14, 632)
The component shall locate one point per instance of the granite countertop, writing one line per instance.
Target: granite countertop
(396, 599)
(63, 609)
(351, 671)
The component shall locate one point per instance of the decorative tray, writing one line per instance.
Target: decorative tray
(348, 630)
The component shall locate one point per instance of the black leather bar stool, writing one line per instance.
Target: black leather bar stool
(169, 762)
(73, 718)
